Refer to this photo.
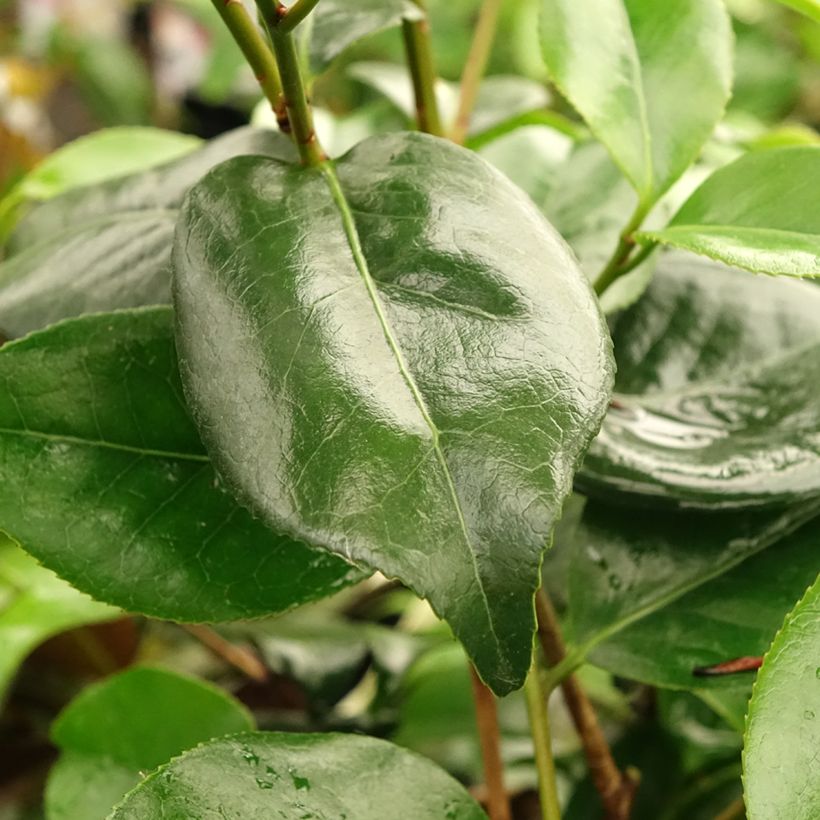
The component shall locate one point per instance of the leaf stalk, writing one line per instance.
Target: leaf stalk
(422, 72)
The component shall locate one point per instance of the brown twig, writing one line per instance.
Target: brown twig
(616, 788)
(238, 656)
(489, 735)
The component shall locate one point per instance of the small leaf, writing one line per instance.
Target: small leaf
(104, 155)
(34, 606)
(761, 213)
(780, 764)
(116, 731)
(108, 246)
(106, 482)
(397, 360)
(650, 79)
(716, 401)
(258, 776)
(336, 24)
(655, 595)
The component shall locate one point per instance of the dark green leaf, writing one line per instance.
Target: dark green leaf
(34, 605)
(650, 79)
(337, 24)
(652, 596)
(398, 360)
(106, 482)
(716, 402)
(118, 730)
(258, 776)
(108, 246)
(780, 763)
(761, 213)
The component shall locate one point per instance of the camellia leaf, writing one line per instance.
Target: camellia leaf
(761, 213)
(116, 731)
(336, 24)
(398, 359)
(34, 606)
(780, 764)
(650, 79)
(655, 595)
(258, 776)
(716, 404)
(108, 246)
(106, 482)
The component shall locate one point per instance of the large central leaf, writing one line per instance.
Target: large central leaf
(397, 359)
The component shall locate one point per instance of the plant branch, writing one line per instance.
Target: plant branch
(617, 789)
(536, 697)
(422, 71)
(243, 659)
(296, 13)
(300, 115)
(619, 263)
(253, 46)
(475, 66)
(490, 739)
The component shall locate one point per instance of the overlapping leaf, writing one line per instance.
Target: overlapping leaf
(117, 731)
(262, 775)
(398, 360)
(106, 482)
(719, 373)
(761, 213)
(108, 246)
(650, 79)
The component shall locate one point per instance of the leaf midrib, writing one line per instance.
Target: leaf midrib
(351, 233)
(62, 438)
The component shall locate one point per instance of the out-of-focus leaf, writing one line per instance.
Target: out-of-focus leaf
(117, 731)
(34, 606)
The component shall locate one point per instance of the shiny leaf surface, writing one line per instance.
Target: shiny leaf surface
(719, 404)
(106, 482)
(116, 731)
(108, 246)
(761, 213)
(780, 764)
(34, 606)
(650, 79)
(398, 360)
(257, 776)
(656, 595)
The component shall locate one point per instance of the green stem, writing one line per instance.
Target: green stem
(539, 728)
(422, 72)
(617, 265)
(300, 115)
(253, 46)
(296, 13)
(475, 66)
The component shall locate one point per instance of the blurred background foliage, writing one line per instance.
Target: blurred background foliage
(373, 658)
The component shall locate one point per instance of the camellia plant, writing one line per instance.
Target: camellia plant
(246, 375)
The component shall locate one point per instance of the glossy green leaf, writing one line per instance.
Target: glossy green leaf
(651, 79)
(104, 155)
(106, 482)
(780, 763)
(34, 606)
(761, 213)
(399, 360)
(716, 401)
(117, 731)
(500, 98)
(336, 24)
(108, 246)
(258, 776)
(652, 596)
